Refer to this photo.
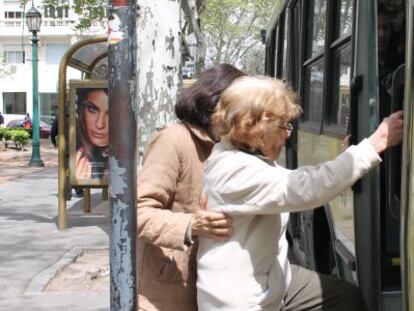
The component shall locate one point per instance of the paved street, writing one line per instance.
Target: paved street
(33, 251)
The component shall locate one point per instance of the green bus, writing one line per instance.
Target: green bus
(349, 62)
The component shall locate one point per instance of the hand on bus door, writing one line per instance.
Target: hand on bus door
(216, 226)
(389, 133)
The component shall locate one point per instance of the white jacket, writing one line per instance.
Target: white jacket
(250, 271)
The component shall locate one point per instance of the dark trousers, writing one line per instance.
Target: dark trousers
(310, 290)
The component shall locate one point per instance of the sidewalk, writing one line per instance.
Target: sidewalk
(33, 251)
(14, 163)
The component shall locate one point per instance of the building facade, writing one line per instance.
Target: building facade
(57, 33)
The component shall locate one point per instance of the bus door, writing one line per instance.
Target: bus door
(377, 89)
(391, 81)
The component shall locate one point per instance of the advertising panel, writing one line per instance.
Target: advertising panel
(88, 133)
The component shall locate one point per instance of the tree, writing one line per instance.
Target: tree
(5, 68)
(88, 11)
(233, 30)
(158, 57)
(192, 10)
(158, 65)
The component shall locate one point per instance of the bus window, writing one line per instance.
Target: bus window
(285, 55)
(316, 33)
(314, 71)
(390, 53)
(340, 105)
(295, 46)
(275, 46)
(344, 18)
(313, 93)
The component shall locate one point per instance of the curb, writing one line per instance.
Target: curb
(42, 279)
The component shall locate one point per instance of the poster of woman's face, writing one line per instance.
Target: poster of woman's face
(89, 133)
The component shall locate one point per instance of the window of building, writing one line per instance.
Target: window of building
(13, 15)
(48, 106)
(14, 102)
(54, 53)
(51, 11)
(14, 57)
(13, 54)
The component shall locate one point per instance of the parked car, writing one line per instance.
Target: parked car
(44, 129)
(187, 72)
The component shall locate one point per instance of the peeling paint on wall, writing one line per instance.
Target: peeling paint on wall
(118, 178)
(120, 260)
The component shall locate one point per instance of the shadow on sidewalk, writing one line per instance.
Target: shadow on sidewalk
(99, 215)
(48, 213)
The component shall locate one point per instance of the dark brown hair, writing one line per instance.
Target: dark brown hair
(93, 153)
(197, 102)
(81, 97)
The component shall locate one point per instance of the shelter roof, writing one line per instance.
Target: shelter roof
(91, 59)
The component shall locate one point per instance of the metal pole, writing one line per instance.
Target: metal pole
(122, 154)
(87, 200)
(35, 159)
(105, 194)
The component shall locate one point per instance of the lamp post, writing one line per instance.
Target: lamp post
(34, 20)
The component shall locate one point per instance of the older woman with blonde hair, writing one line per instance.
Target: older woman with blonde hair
(251, 271)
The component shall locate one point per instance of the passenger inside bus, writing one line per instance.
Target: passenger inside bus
(391, 44)
(251, 271)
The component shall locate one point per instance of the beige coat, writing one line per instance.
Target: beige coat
(169, 189)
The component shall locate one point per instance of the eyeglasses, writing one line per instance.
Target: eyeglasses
(288, 128)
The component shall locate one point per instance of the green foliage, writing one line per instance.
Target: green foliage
(7, 135)
(89, 11)
(19, 138)
(23, 3)
(2, 131)
(233, 29)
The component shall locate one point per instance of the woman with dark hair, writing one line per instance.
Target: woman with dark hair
(169, 189)
(92, 134)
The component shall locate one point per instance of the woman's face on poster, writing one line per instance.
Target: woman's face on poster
(96, 118)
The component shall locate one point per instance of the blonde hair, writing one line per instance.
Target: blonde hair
(250, 107)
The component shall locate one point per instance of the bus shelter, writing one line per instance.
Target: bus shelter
(90, 56)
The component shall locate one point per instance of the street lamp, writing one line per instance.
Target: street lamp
(34, 20)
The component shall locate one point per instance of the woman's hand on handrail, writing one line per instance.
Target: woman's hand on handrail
(389, 133)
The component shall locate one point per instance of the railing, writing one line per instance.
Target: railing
(47, 23)
(11, 24)
(57, 23)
